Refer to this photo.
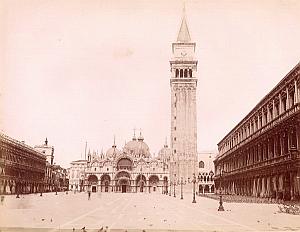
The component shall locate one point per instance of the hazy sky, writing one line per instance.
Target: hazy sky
(86, 70)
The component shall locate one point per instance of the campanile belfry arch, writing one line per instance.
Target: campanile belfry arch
(183, 84)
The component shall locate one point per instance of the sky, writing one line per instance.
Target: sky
(77, 71)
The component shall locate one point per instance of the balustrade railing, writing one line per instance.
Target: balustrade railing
(262, 164)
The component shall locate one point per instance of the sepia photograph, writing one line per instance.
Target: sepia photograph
(149, 116)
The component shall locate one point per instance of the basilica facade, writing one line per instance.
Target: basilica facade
(131, 169)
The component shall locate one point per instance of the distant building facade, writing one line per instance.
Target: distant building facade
(76, 174)
(47, 150)
(55, 176)
(261, 156)
(22, 169)
(206, 172)
(60, 178)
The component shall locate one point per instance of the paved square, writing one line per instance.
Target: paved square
(137, 212)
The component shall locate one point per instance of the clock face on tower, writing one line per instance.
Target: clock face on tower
(183, 53)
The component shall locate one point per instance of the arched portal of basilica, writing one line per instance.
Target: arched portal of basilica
(122, 182)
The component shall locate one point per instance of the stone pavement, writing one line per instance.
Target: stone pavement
(137, 212)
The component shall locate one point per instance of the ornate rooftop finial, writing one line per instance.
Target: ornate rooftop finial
(141, 138)
(134, 138)
(114, 145)
(46, 141)
(166, 142)
(184, 34)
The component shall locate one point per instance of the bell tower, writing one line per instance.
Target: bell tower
(183, 84)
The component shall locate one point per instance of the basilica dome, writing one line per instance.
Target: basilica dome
(137, 148)
(112, 152)
(164, 154)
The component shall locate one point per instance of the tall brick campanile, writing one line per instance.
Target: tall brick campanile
(183, 84)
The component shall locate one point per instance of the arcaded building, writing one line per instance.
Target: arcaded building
(261, 155)
(22, 169)
(131, 169)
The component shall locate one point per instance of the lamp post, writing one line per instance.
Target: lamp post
(170, 188)
(221, 208)
(174, 189)
(166, 188)
(181, 183)
(174, 185)
(55, 184)
(194, 183)
(18, 189)
(41, 190)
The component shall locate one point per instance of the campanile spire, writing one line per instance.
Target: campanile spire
(183, 34)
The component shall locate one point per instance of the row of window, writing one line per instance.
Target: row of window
(26, 175)
(267, 113)
(183, 73)
(16, 158)
(273, 147)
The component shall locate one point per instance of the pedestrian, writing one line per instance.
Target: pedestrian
(2, 200)
(89, 193)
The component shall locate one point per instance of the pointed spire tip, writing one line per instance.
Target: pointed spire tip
(184, 34)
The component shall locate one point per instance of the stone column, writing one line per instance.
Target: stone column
(254, 187)
(281, 144)
(275, 145)
(296, 92)
(276, 186)
(280, 104)
(297, 127)
(297, 183)
(268, 193)
(258, 188)
(292, 187)
(287, 99)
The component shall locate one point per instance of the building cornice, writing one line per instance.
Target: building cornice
(279, 87)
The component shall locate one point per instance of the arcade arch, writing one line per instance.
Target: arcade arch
(153, 183)
(105, 183)
(140, 183)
